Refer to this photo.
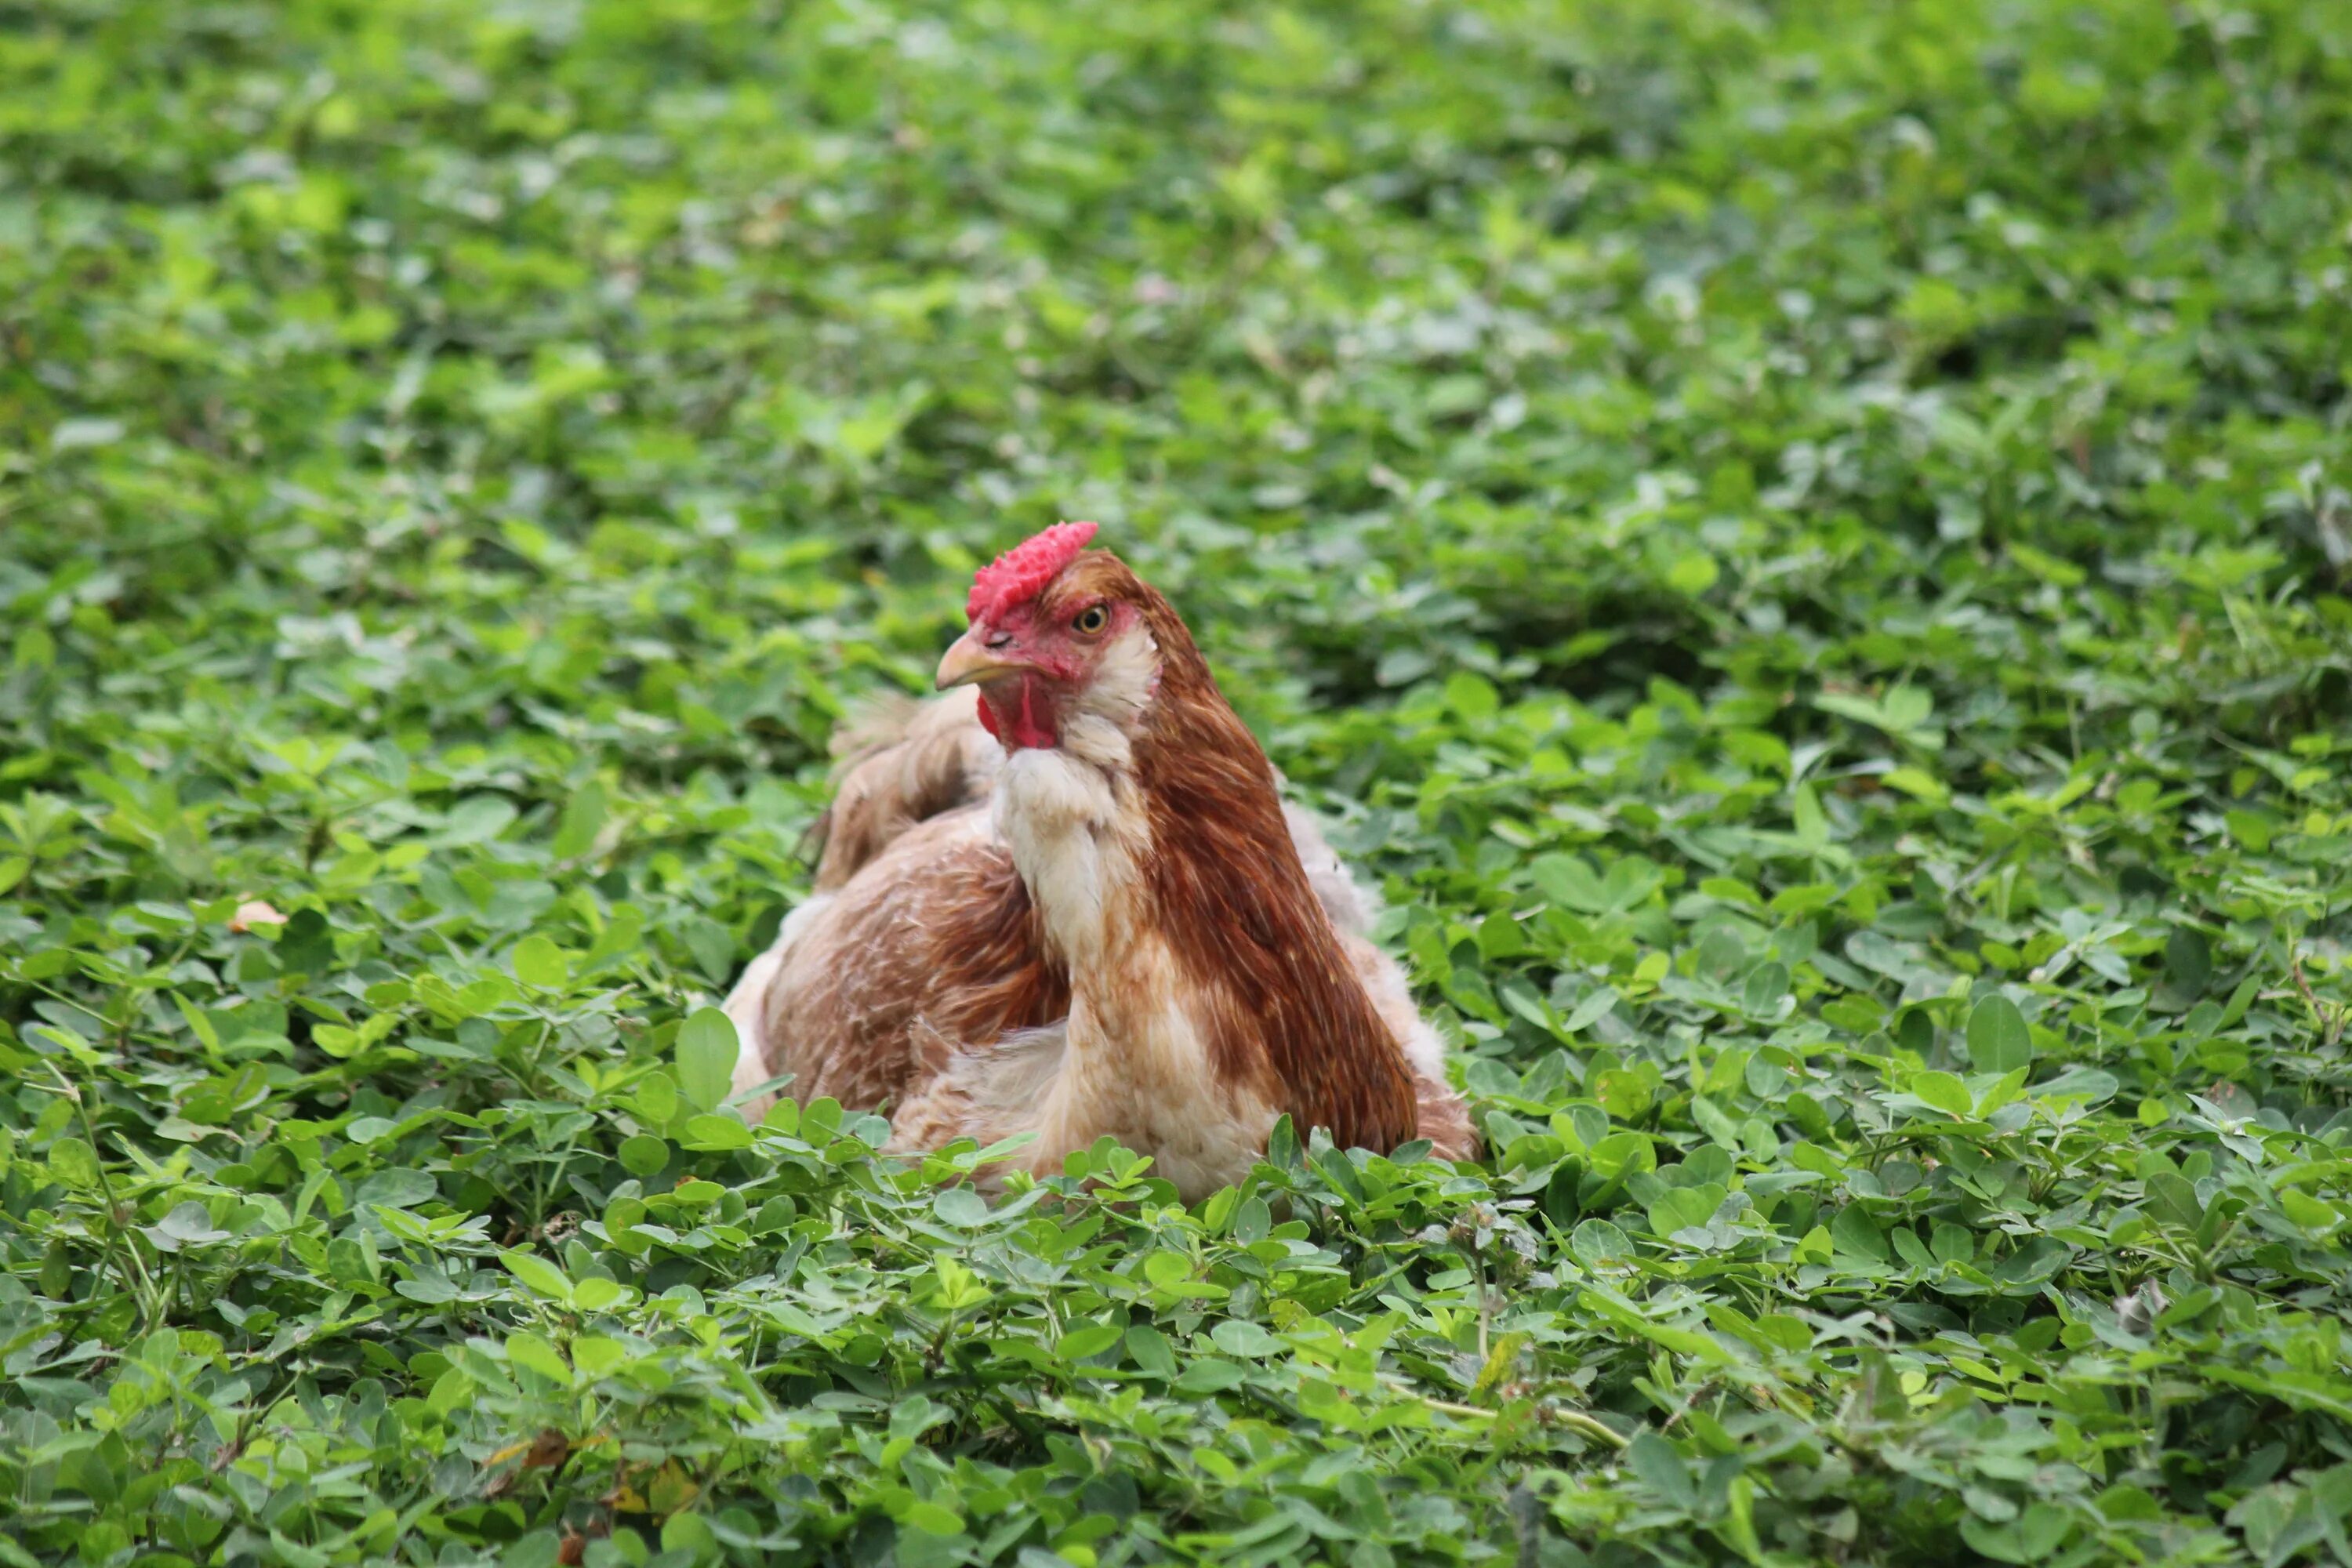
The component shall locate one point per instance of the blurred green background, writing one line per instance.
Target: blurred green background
(1803, 544)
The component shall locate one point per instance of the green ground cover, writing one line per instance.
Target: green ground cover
(1805, 545)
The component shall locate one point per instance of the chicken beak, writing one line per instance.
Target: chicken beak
(970, 659)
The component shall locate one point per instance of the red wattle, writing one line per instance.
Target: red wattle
(1020, 729)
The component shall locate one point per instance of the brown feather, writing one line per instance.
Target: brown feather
(897, 764)
(938, 933)
(1285, 1010)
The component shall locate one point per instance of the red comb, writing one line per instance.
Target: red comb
(1019, 571)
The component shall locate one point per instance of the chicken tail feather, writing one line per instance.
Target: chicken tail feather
(899, 763)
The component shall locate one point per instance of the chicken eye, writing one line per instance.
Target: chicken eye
(1091, 620)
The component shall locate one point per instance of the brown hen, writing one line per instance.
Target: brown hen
(1067, 900)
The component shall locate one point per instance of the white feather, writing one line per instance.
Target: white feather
(1073, 840)
(747, 1006)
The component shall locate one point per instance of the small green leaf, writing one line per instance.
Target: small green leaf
(2033, 1265)
(1590, 1009)
(1472, 696)
(1856, 1235)
(656, 1099)
(2174, 1200)
(932, 1519)
(539, 963)
(596, 1355)
(398, 1187)
(1150, 1351)
(1812, 827)
(188, 1224)
(1211, 1374)
(1239, 1337)
(1918, 783)
(1945, 1092)
(199, 1021)
(595, 1293)
(706, 1058)
(1623, 1092)
(1090, 1340)
(716, 1132)
(73, 1163)
(538, 1273)
(960, 1207)
(1693, 572)
(1999, 1040)
(1662, 1470)
(583, 818)
(534, 1353)
(1767, 982)
(1597, 1243)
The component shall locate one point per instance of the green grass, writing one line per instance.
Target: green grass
(1805, 545)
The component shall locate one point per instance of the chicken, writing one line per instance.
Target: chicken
(1067, 900)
